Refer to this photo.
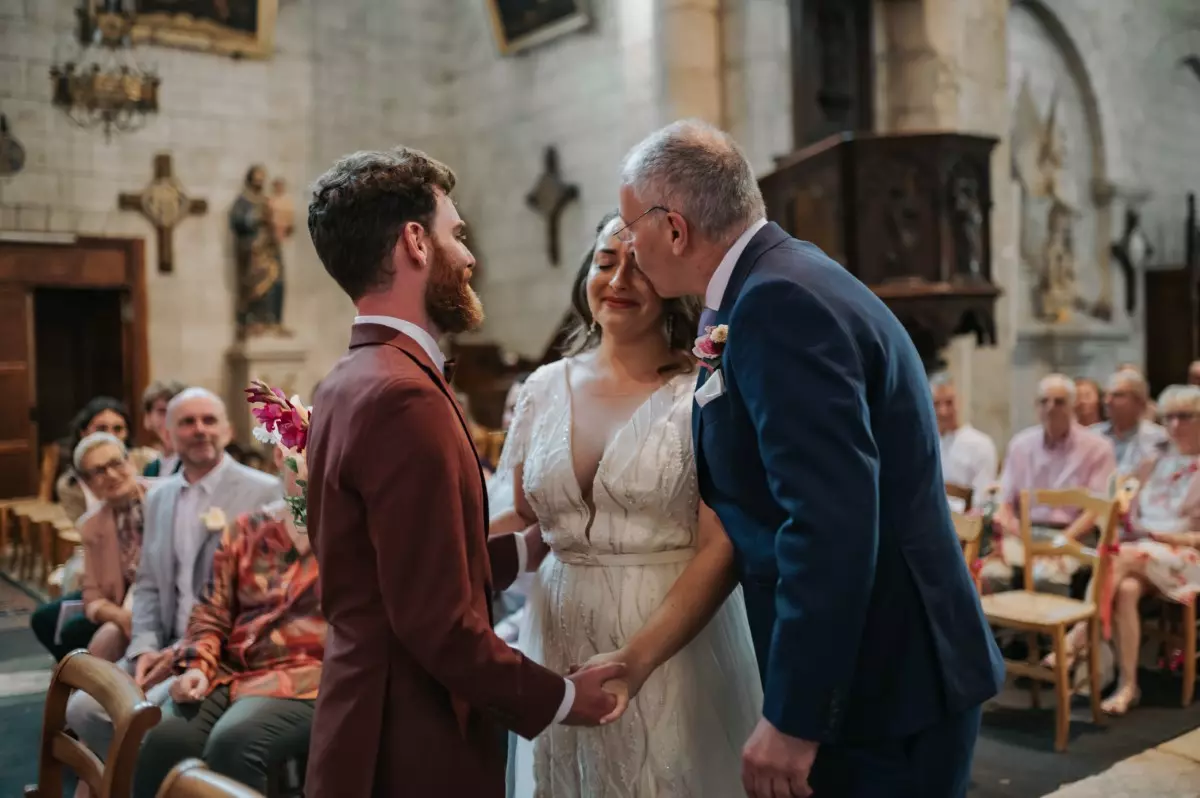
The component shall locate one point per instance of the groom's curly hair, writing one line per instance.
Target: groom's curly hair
(361, 204)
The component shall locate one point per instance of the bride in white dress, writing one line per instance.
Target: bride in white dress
(599, 454)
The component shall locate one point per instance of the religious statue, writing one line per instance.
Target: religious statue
(1048, 207)
(257, 245)
(968, 228)
(283, 210)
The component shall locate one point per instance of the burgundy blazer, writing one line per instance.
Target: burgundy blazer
(416, 690)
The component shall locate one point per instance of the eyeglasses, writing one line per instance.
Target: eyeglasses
(115, 465)
(625, 234)
(1053, 401)
(1169, 417)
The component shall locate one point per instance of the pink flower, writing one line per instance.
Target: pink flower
(705, 348)
(268, 415)
(293, 430)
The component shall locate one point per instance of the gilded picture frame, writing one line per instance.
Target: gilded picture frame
(523, 24)
(235, 28)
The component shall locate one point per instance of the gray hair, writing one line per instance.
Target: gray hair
(700, 172)
(1057, 381)
(1133, 379)
(96, 439)
(1186, 397)
(189, 394)
(941, 379)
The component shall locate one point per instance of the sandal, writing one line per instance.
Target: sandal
(1120, 702)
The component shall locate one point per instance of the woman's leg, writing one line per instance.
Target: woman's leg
(256, 735)
(1124, 564)
(181, 734)
(1129, 640)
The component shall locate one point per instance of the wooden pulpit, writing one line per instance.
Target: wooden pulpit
(909, 215)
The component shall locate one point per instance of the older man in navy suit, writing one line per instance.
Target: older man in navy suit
(817, 446)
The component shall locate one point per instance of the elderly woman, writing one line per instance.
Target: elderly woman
(1160, 550)
(112, 546)
(102, 414)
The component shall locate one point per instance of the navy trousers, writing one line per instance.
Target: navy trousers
(933, 763)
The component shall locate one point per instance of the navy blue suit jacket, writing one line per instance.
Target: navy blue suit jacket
(821, 460)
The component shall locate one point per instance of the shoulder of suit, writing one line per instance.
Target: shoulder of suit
(252, 475)
(164, 486)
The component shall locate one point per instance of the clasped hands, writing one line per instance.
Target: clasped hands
(604, 686)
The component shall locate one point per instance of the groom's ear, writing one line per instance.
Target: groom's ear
(415, 243)
(679, 233)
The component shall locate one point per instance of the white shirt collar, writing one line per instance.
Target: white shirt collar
(206, 482)
(720, 279)
(418, 334)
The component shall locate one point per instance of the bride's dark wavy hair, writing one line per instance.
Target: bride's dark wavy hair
(680, 316)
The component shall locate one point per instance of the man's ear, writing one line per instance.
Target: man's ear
(416, 243)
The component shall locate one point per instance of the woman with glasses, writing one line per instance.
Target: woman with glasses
(102, 414)
(99, 615)
(1160, 546)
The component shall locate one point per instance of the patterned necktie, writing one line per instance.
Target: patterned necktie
(707, 319)
(448, 370)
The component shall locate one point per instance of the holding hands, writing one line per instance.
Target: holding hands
(594, 700)
(622, 687)
(152, 667)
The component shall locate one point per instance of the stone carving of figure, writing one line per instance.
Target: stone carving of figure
(259, 259)
(968, 228)
(283, 211)
(1047, 207)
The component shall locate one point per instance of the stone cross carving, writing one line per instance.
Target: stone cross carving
(164, 202)
(549, 197)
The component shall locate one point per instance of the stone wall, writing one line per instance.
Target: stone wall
(349, 75)
(758, 79)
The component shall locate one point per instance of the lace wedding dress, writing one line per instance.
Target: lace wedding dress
(683, 734)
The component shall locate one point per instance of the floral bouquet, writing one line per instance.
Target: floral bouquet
(283, 422)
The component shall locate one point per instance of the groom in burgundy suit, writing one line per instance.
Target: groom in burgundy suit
(416, 690)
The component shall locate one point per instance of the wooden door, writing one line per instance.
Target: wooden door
(1171, 327)
(18, 429)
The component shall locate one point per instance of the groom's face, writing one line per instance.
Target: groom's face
(451, 302)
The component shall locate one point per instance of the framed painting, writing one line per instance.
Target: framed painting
(521, 24)
(237, 28)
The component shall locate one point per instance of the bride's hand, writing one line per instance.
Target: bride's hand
(624, 689)
(536, 547)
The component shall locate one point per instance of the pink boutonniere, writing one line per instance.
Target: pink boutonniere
(711, 346)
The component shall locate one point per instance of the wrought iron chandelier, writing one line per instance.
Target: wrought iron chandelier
(103, 86)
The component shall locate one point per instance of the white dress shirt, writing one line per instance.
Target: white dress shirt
(968, 458)
(430, 345)
(194, 501)
(720, 278)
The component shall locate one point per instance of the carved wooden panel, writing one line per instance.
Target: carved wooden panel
(18, 439)
(832, 58)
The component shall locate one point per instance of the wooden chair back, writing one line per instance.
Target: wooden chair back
(969, 529)
(963, 492)
(191, 779)
(48, 472)
(1107, 516)
(132, 716)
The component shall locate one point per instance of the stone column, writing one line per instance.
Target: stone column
(690, 35)
(943, 65)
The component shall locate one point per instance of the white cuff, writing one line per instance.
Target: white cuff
(568, 701)
(522, 551)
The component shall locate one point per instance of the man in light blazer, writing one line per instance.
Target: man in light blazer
(184, 517)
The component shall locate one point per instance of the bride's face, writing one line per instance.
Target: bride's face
(620, 297)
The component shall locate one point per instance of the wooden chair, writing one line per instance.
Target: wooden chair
(191, 779)
(1051, 614)
(969, 529)
(963, 492)
(132, 716)
(1176, 631)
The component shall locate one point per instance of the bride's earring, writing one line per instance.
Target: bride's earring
(592, 330)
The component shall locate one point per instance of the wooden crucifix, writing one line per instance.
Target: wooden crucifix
(164, 202)
(549, 197)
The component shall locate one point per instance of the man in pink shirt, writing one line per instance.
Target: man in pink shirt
(1057, 453)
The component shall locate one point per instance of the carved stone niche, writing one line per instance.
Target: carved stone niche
(909, 215)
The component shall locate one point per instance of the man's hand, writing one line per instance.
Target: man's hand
(624, 688)
(152, 667)
(189, 688)
(775, 765)
(536, 547)
(593, 703)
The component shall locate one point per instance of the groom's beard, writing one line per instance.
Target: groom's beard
(451, 302)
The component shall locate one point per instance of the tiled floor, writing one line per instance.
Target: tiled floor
(1172, 770)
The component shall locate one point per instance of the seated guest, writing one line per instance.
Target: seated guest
(1089, 404)
(1055, 454)
(183, 514)
(1193, 373)
(154, 419)
(102, 414)
(112, 547)
(1159, 553)
(968, 455)
(1133, 438)
(250, 662)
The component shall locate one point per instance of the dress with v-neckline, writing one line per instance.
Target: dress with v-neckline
(682, 734)
(587, 494)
